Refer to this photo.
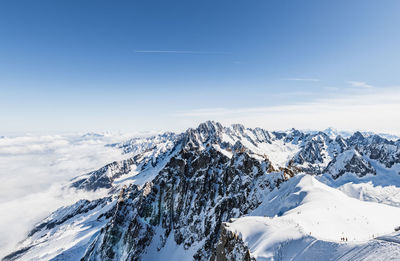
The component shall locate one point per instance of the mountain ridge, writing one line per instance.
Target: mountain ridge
(185, 186)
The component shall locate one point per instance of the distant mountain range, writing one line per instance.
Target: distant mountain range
(233, 193)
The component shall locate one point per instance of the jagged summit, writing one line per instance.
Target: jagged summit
(175, 191)
(350, 161)
(292, 151)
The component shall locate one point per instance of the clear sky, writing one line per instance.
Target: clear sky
(80, 65)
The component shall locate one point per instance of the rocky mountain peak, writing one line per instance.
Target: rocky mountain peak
(206, 133)
(179, 188)
(350, 161)
(357, 139)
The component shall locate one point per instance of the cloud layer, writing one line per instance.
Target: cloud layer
(32, 171)
(32, 168)
(360, 84)
(370, 110)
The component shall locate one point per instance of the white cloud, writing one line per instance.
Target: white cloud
(33, 167)
(19, 215)
(360, 84)
(32, 171)
(375, 110)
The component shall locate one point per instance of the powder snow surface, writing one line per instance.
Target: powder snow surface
(305, 211)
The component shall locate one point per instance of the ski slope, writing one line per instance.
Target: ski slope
(309, 219)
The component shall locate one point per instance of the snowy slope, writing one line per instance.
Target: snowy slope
(305, 211)
(66, 233)
(35, 168)
(167, 196)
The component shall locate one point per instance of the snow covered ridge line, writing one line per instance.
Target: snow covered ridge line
(291, 151)
(333, 133)
(172, 194)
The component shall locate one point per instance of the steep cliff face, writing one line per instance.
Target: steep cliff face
(350, 161)
(384, 151)
(230, 247)
(317, 151)
(126, 234)
(181, 188)
(291, 152)
(189, 199)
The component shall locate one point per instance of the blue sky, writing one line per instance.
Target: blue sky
(167, 65)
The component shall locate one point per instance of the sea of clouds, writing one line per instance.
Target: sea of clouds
(33, 170)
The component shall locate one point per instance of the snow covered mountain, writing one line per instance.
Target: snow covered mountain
(308, 220)
(232, 193)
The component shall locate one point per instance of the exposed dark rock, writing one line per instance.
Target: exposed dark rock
(230, 247)
(189, 199)
(350, 162)
(201, 179)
